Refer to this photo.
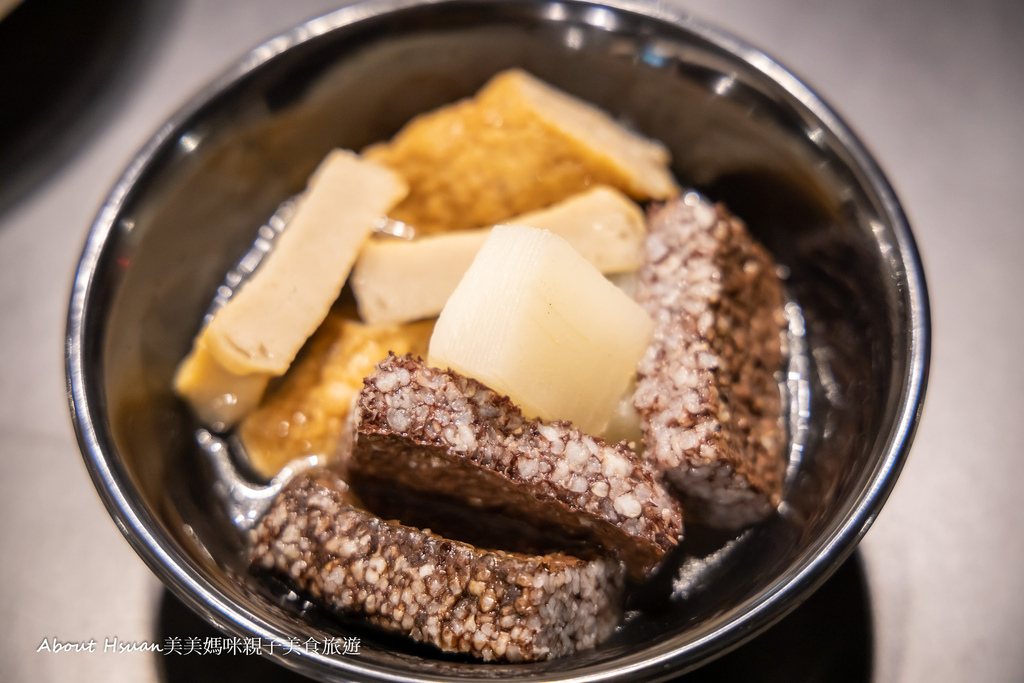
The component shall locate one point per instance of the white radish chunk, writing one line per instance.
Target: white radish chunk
(534, 320)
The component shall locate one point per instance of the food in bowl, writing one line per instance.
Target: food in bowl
(398, 280)
(518, 146)
(305, 415)
(439, 432)
(708, 297)
(706, 390)
(488, 603)
(259, 331)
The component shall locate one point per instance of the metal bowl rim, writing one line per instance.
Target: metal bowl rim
(185, 578)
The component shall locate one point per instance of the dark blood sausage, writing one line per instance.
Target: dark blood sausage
(436, 431)
(491, 604)
(707, 393)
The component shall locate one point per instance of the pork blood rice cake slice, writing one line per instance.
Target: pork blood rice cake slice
(429, 430)
(707, 392)
(493, 605)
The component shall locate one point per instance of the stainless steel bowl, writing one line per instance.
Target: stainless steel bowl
(741, 128)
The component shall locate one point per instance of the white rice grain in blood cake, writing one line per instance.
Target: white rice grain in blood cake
(427, 430)
(707, 392)
(491, 604)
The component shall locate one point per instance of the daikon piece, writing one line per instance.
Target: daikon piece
(534, 320)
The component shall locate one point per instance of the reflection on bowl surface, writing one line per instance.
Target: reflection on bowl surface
(740, 129)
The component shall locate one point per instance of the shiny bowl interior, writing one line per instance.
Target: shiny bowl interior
(741, 129)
